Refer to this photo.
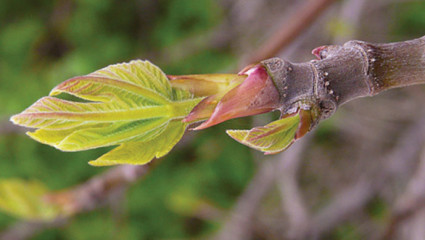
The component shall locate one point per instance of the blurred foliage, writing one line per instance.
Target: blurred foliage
(346, 232)
(378, 210)
(410, 21)
(24, 199)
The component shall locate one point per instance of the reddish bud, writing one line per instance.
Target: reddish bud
(203, 110)
(317, 51)
(256, 95)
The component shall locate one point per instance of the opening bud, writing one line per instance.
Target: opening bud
(255, 95)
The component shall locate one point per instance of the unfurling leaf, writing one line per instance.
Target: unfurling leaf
(24, 199)
(130, 104)
(272, 138)
(206, 84)
(213, 86)
(255, 95)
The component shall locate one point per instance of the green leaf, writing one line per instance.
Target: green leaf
(138, 153)
(132, 104)
(272, 138)
(24, 199)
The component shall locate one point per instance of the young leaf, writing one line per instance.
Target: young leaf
(255, 95)
(132, 104)
(24, 199)
(212, 86)
(137, 152)
(272, 138)
(206, 84)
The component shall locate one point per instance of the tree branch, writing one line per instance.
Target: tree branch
(343, 73)
(399, 161)
(293, 202)
(410, 202)
(95, 192)
(6, 127)
(25, 230)
(239, 224)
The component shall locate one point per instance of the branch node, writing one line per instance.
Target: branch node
(278, 70)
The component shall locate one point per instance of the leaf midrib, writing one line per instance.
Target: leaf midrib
(172, 110)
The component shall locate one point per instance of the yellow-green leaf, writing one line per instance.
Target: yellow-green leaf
(24, 199)
(272, 138)
(128, 104)
(141, 152)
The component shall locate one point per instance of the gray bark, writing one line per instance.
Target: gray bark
(343, 73)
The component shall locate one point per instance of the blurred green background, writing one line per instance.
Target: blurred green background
(45, 42)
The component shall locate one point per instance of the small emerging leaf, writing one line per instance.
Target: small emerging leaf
(206, 84)
(272, 138)
(213, 86)
(131, 104)
(24, 199)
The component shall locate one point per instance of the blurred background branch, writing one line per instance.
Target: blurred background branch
(410, 204)
(291, 26)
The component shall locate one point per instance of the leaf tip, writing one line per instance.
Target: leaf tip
(238, 135)
(32, 135)
(97, 163)
(54, 92)
(14, 119)
(230, 132)
(67, 146)
(102, 162)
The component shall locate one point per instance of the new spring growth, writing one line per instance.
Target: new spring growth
(250, 92)
(144, 112)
